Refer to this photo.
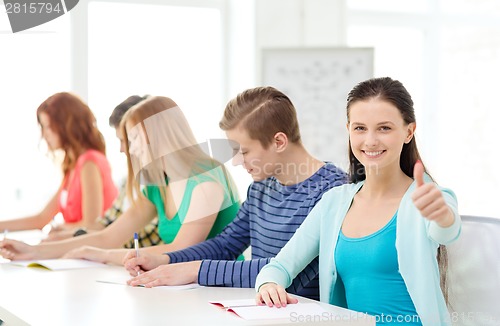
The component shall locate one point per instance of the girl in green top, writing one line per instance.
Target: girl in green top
(170, 176)
(192, 193)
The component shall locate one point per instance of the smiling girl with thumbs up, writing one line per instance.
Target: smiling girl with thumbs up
(379, 238)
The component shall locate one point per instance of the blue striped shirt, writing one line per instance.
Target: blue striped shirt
(266, 221)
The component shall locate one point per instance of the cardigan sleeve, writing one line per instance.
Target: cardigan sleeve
(446, 235)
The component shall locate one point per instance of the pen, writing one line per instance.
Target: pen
(5, 232)
(136, 247)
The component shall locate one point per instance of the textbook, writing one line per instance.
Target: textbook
(249, 310)
(57, 264)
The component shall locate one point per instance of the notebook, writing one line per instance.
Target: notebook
(57, 264)
(249, 310)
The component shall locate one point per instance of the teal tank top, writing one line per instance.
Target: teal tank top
(168, 228)
(368, 268)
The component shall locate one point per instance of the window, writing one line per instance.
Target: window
(157, 50)
(468, 113)
(35, 65)
(388, 5)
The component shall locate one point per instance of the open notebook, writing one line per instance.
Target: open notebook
(57, 264)
(248, 309)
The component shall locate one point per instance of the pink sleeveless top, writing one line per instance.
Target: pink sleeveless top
(70, 197)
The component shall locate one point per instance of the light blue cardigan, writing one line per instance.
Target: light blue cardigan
(417, 240)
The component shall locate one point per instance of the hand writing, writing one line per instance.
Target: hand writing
(172, 274)
(145, 262)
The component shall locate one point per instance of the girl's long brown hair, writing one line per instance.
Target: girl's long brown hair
(75, 124)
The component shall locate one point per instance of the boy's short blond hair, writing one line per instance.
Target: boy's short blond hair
(262, 112)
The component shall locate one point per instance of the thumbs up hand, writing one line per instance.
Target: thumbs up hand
(429, 199)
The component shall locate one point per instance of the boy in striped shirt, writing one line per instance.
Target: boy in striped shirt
(288, 181)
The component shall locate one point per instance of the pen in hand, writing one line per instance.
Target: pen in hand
(5, 232)
(136, 247)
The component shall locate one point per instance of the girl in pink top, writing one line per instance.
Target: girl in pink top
(71, 198)
(87, 189)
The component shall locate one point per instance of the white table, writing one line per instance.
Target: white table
(31, 296)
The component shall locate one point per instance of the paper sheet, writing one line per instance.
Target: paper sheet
(123, 278)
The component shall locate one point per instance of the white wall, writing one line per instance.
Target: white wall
(298, 23)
